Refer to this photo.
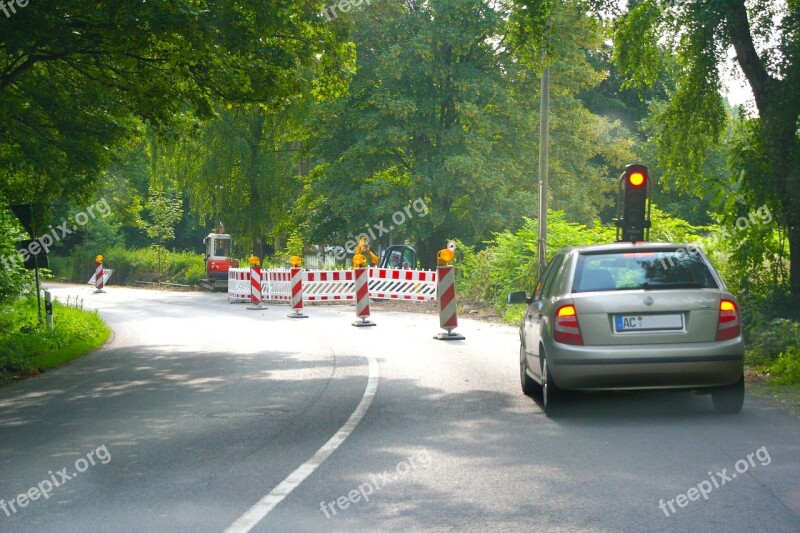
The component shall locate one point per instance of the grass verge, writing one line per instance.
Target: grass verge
(786, 396)
(28, 348)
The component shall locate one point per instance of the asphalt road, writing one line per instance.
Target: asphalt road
(201, 415)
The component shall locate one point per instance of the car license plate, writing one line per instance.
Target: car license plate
(648, 322)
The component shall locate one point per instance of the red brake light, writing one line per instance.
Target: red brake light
(565, 326)
(728, 326)
(637, 255)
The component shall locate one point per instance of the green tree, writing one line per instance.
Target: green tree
(12, 273)
(77, 79)
(242, 169)
(442, 109)
(164, 209)
(766, 38)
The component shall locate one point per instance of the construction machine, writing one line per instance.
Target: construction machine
(399, 256)
(218, 259)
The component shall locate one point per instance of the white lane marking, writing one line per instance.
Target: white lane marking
(256, 513)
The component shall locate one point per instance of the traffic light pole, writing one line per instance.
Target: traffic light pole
(544, 127)
(633, 204)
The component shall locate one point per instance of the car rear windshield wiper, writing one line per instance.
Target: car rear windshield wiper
(647, 285)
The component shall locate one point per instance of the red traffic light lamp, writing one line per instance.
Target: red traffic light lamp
(633, 204)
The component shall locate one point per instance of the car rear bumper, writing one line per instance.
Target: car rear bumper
(646, 367)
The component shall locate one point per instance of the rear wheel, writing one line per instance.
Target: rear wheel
(529, 386)
(550, 392)
(729, 399)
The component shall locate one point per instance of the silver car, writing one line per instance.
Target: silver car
(631, 316)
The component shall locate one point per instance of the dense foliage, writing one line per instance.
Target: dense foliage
(26, 346)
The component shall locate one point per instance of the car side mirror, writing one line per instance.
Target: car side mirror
(518, 297)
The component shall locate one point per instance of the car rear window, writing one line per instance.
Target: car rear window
(652, 270)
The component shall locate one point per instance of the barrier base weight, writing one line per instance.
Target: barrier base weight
(257, 307)
(297, 314)
(449, 336)
(363, 322)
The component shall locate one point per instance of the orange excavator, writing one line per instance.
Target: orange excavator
(399, 256)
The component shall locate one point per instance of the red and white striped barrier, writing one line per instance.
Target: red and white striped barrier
(100, 277)
(391, 283)
(296, 285)
(362, 297)
(329, 285)
(446, 292)
(255, 288)
(297, 293)
(277, 284)
(333, 285)
(239, 289)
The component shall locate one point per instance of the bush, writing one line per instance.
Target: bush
(144, 264)
(14, 279)
(786, 367)
(775, 348)
(777, 337)
(195, 272)
(27, 346)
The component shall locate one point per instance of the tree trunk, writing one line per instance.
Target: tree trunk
(783, 163)
(779, 110)
(258, 248)
(430, 248)
(794, 258)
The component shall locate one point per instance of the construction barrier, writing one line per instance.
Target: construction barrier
(446, 292)
(362, 297)
(333, 285)
(277, 284)
(296, 286)
(100, 276)
(391, 283)
(297, 293)
(329, 285)
(239, 285)
(255, 287)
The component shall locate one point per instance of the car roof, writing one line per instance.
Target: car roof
(628, 247)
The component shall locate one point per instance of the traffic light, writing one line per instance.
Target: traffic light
(633, 220)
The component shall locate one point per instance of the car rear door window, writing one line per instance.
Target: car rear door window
(542, 287)
(652, 270)
(550, 280)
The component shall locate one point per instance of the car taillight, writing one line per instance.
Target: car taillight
(728, 324)
(565, 326)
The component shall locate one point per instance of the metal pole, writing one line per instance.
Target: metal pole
(36, 266)
(544, 121)
(48, 306)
